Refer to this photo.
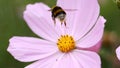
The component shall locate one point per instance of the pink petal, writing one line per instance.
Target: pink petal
(71, 8)
(46, 62)
(81, 20)
(93, 36)
(40, 21)
(87, 59)
(68, 4)
(27, 49)
(118, 52)
(67, 61)
(94, 48)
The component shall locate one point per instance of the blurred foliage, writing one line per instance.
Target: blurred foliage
(12, 24)
(117, 3)
(110, 11)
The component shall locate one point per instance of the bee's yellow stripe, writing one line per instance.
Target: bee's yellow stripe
(57, 11)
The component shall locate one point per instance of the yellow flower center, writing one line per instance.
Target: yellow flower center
(66, 43)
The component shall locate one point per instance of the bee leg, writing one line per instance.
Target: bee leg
(54, 20)
(65, 23)
(61, 23)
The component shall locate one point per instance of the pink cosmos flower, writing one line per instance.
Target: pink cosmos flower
(118, 52)
(61, 47)
(95, 48)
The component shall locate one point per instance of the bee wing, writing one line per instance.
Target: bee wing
(49, 10)
(70, 9)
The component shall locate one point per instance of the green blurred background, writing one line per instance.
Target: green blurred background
(12, 24)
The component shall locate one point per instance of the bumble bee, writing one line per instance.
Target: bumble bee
(59, 13)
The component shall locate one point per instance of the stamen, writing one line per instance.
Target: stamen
(66, 43)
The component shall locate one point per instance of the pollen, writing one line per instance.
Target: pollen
(66, 43)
